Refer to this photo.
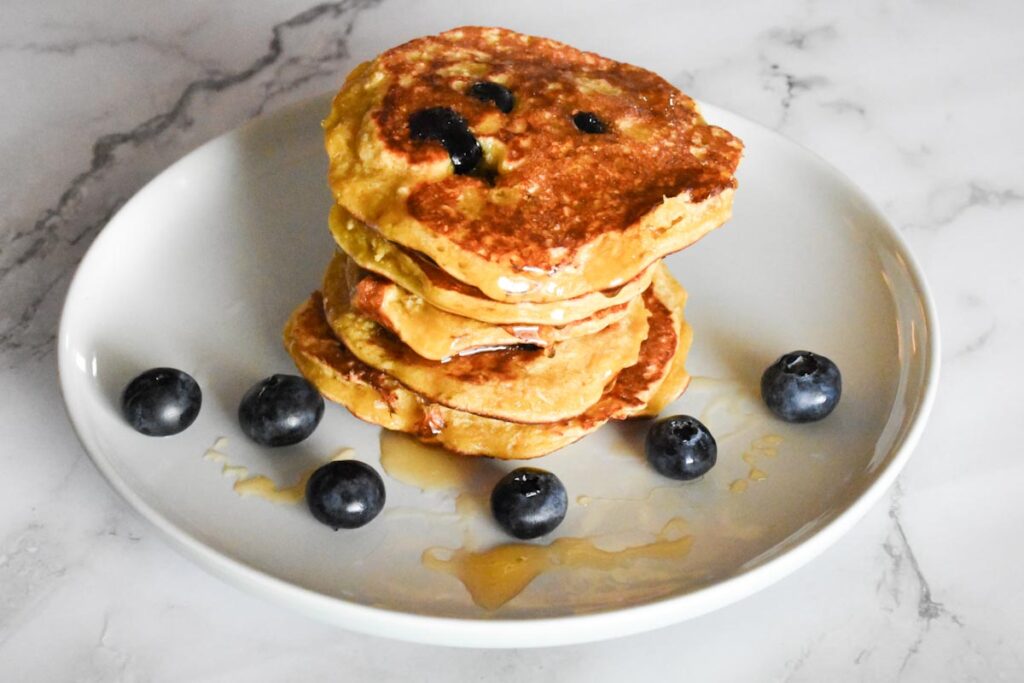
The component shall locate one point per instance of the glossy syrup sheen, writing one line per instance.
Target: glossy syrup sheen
(493, 577)
(428, 468)
(260, 485)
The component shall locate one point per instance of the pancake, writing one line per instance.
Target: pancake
(431, 332)
(376, 397)
(676, 379)
(550, 211)
(517, 384)
(424, 278)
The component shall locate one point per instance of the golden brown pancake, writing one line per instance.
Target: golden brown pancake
(517, 384)
(551, 212)
(377, 397)
(419, 275)
(431, 332)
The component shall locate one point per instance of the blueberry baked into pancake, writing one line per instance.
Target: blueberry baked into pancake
(502, 206)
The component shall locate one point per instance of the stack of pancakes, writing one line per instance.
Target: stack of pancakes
(503, 203)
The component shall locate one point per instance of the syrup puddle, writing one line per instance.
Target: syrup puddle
(428, 468)
(432, 468)
(264, 487)
(495, 576)
(260, 485)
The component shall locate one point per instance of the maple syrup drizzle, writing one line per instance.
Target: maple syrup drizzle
(764, 447)
(495, 576)
(260, 485)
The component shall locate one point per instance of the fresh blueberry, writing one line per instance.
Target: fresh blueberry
(589, 123)
(161, 402)
(345, 494)
(529, 502)
(434, 123)
(464, 150)
(280, 410)
(443, 125)
(801, 386)
(681, 447)
(487, 91)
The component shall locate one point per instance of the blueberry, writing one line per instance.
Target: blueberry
(443, 125)
(486, 91)
(801, 386)
(434, 123)
(464, 150)
(681, 447)
(529, 502)
(280, 410)
(589, 123)
(345, 494)
(161, 402)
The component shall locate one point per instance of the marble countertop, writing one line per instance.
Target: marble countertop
(918, 102)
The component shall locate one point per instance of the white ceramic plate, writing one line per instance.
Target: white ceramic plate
(201, 268)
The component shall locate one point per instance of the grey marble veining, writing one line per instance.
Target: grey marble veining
(918, 103)
(56, 241)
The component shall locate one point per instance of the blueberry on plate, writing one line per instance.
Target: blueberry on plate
(161, 402)
(681, 447)
(345, 494)
(280, 410)
(801, 387)
(529, 502)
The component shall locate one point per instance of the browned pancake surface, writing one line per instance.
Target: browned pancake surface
(579, 185)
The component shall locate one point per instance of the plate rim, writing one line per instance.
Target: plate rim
(529, 631)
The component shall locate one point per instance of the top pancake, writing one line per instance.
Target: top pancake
(568, 212)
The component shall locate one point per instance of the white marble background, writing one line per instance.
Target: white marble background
(920, 102)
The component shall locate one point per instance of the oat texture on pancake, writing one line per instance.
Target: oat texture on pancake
(523, 167)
